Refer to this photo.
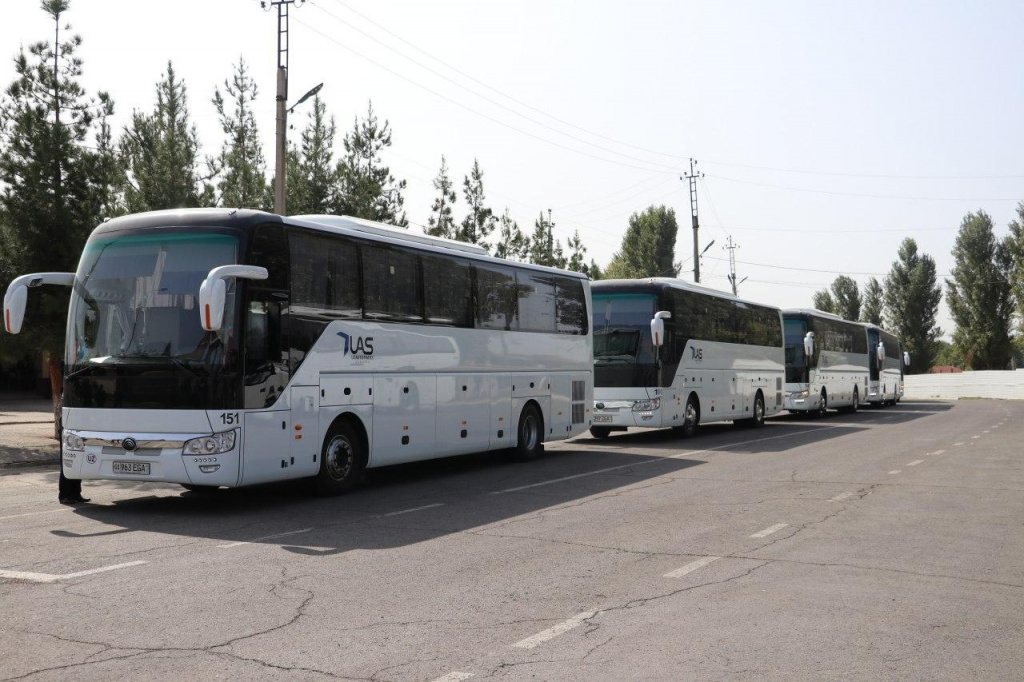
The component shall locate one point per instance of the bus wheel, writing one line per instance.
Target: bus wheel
(530, 443)
(600, 432)
(822, 405)
(855, 406)
(691, 418)
(342, 460)
(757, 420)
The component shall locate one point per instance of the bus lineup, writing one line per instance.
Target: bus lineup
(221, 348)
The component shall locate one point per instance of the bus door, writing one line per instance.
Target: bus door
(873, 355)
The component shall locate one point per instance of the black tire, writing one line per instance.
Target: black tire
(600, 432)
(342, 460)
(757, 421)
(691, 419)
(822, 409)
(855, 407)
(201, 489)
(530, 441)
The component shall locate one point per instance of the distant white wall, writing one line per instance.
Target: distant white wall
(1008, 385)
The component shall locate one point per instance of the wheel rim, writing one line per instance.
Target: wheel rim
(339, 458)
(821, 404)
(691, 416)
(856, 402)
(531, 433)
(759, 410)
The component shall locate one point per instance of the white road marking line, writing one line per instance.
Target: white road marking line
(842, 496)
(985, 431)
(960, 443)
(52, 578)
(554, 631)
(48, 511)
(937, 452)
(265, 537)
(895, 471)
(654, 460)
(414, 509)
(691, 567)
(914, 463)
(769, 530)
(454, 677)
(975, 437)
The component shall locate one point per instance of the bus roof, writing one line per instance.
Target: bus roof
(247, 219)
(814, 312)
(662, 283)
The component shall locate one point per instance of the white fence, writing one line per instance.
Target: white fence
(1006, 385)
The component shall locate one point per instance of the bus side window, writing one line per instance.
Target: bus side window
(266, 347)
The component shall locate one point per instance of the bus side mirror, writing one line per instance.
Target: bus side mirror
(809, 344)
(658, 327)
(16, 298)
(881, 354)
(906, 359)
(213, 292)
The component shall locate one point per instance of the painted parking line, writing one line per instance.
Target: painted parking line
(975, 437)
(689, 453)
(48, 511)
(842, 496)
(265, 537)
(895, 471)
(769, 530)
(414, 509)
(554, 631)
(937, 452)
(454, 677)
(691, 567)
(52, 578)
(915, 462)
(956, 444)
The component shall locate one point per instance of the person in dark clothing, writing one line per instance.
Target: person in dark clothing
(69, 490)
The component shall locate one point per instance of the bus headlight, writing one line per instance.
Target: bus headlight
(646, 405)
(211, 445)
(800, 394)
(72, 441)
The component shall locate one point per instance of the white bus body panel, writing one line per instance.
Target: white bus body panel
(838, 374)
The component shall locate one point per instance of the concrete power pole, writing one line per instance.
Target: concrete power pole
(692, 176)
(732, 246)
(551, 239)
(281, 146)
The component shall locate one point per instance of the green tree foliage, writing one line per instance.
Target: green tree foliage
(979, 295)
(823, 301)
(578, 258)
(57, 180)
(874, 303)
(947, 354)
(311, 177)
(648, 247)
(368, 189)
(160, 152)
(1015, 247)
(544, 248)
(912, 297)
(480, 221)
(241, 165)
(511, 243)
(441, 223)
(843, 299)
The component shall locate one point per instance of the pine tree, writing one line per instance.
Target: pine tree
(874, 303)
(544, 248)
(56, 183)
(823, 301)
(368, 188)
(441, 223)
(912, 297)
(512, 244)
(979, 295)
(310, 172)
(161, 153)
(648, 247)
(480, 221)
(578, 258)
(243, 182)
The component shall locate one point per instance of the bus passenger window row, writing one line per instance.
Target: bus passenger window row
(711, 318)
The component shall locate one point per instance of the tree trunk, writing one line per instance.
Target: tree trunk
(56, 389)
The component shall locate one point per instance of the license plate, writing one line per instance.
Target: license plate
(602, 418)
(140, 468)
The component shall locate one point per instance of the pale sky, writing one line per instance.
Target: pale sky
(828, 131)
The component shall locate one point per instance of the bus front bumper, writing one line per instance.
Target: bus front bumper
(622, 414)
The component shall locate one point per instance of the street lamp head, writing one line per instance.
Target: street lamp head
(306, 96)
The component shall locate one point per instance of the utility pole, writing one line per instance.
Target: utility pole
(551, 240)
(732, 246)
(692, 176)
(283, 38)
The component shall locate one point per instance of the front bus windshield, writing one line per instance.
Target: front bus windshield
(134, 335)
(796, 359)
(623, 351)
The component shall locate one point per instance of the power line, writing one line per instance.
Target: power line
(853, 194)
(866, 175)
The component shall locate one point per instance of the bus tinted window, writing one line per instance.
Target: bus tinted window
(570, 306)
(392, 284)
(325, 275)
(536, 301)
(447, 291)
(496, 299)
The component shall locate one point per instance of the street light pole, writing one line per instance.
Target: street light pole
(283, 39)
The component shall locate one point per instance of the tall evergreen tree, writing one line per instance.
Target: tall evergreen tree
(843, 299)
(1015, 248)
(578, 258)
(648, 247)
(368, 188)
(823, 301)
(979, 295)
(311, 175)
(544, 248)
(242, 167)
(874, 303)
(511, 244)
(441, 223)
(161, 153)
(912, 297)
(480, 221)
(55, 187)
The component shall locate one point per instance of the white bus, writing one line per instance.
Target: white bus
(887, 364)
(826, 362)
(230, 347)
(671, 354)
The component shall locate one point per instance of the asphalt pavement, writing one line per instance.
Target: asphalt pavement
(885, 544)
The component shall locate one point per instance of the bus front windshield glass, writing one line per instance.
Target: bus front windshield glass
(796, 359)
(136, 297)
(623, 351)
